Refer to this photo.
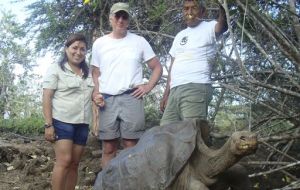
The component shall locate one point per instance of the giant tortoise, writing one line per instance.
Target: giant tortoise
(174, 157)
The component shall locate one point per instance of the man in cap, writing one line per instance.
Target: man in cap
(117, 64)
(189, 91)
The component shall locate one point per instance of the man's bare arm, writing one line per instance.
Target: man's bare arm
(163, 102)
(221, 25)
(155, 66)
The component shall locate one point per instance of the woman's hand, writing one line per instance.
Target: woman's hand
(98, 99)
(50, 134)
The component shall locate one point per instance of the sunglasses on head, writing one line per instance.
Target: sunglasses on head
(122, 14)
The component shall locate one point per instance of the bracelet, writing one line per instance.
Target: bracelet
(47, 125)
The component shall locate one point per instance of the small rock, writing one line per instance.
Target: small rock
(9, 168)
(97, 153)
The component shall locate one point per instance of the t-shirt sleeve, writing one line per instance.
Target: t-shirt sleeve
(95, 60)
(212, 26)
(172, 50)
(51, 77)
(148, 52)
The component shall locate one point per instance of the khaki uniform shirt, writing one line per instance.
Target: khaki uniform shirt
(71, 102)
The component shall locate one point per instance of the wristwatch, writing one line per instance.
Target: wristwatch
(47, 125)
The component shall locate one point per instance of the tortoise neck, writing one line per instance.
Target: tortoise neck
(208, 163)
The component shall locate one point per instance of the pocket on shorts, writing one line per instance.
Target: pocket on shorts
(201, 94)
(200, 98)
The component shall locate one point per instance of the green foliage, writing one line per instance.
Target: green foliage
(276, 127)
(30, 125)
(232, 118)
(152, 112)
(51, 22)
(152, 115)
(18, 96)
(158, 10)
(254, 80)
(12, 53)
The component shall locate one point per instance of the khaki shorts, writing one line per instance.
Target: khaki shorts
(187, 101)
(122, 116)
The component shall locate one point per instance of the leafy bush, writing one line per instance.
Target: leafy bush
(152, 116)
(30, 125)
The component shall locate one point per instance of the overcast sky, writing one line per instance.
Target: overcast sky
(17, 7)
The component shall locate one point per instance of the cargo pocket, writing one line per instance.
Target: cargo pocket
(194, 106)
(69, 81)
(200, 98)
(73, 83)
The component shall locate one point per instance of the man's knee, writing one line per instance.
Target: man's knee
(110, 147)
(129, 142)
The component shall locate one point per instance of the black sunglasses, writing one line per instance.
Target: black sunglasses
(122, 14)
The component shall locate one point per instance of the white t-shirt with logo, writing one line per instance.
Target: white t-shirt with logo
(120, 62)
(192, 49)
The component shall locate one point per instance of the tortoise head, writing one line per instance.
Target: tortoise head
(243, 143)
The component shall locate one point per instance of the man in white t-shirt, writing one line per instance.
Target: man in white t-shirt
(189, 90)
(117, 65)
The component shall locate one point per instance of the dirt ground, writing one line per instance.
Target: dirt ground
(27, 164)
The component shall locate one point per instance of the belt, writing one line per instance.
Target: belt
(126, 92)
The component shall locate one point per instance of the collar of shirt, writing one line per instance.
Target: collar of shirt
(68, 67)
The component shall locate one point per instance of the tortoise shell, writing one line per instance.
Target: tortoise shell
(154, 162)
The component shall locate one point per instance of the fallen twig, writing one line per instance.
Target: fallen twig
(266, 163)
(274, 170)
(9, 182)
(281, 137)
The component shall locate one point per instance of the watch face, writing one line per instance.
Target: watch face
(47, 125)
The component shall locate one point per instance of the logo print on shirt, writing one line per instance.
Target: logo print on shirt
(184, 40)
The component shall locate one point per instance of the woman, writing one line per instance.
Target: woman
(67, 90)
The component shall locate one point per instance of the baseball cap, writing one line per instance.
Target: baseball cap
(120, 7)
